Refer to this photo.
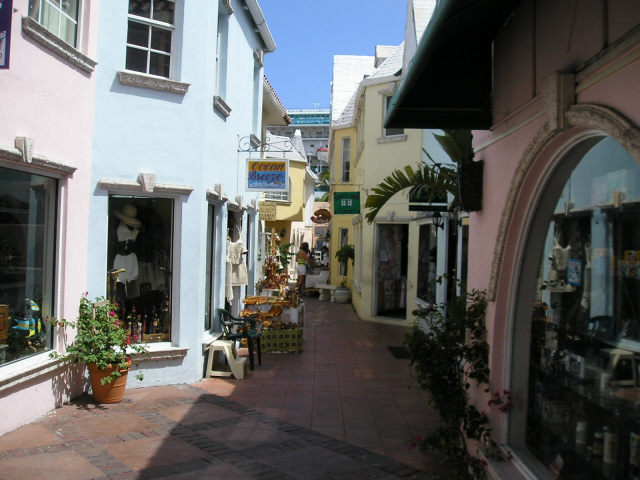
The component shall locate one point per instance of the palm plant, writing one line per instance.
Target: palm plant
(430, 180)
(325, 185)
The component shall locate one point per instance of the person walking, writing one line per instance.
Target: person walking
(303, 259)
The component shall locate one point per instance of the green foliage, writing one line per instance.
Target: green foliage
(325, 182)
(434, 180)
(100, 339)
(285, 255)
(346, 253)
(450, 356)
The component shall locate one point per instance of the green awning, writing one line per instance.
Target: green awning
(448, 83)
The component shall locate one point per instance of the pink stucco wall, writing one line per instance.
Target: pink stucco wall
(51, 101)
(543, 37)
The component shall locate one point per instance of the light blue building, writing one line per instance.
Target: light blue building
(179, 98)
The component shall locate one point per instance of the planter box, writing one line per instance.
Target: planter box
(286, 340)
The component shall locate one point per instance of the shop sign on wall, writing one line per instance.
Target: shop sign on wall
(267, 211)
(6, 13)
(267, 175)
(346, 203)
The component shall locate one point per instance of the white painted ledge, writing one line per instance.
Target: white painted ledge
(160, 351)
(392, 139)
(27, 369)
(44, 37)
(39, 161)
(220, 105)
(137, 79)
(146, 183)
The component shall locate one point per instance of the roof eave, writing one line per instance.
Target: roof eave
(261, 24)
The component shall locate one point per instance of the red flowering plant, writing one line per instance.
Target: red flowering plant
(101, 338)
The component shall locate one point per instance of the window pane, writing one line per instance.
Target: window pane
(161, 39)
(427, 257)
(140, 242)
(51, 19)
(34, 9)
(70, 7)
(159, 64)
(68, 31)
(136, 60)
(583, 384)
(27, 233)
(138, 34)
(163, 11)
(141, 8)
(55, 2)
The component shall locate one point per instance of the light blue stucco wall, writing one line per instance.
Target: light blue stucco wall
(184, 141)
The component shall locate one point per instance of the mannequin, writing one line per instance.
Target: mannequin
(126, 257)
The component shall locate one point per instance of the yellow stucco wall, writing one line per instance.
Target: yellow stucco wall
(293, 211)
(340, 221)
(373, 158)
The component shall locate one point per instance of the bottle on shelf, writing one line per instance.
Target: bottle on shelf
(611, 446)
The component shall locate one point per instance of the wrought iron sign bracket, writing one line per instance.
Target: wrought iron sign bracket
(251, 143)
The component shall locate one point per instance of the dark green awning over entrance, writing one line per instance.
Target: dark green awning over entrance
(448, 83)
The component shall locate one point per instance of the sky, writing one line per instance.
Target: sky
(308, 33)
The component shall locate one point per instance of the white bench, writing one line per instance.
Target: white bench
(326, 292)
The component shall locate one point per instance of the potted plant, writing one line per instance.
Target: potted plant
(342, 294)
(103, 343)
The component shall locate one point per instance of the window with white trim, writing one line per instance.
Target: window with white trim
(149, 36)
(278, 196)
(388, 132)
(346, 159)
(140, 243)
(210, 319)
(60, 17)
(222, 46)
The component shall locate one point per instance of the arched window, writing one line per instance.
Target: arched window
(575, 374)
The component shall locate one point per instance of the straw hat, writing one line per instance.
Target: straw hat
(128, 215)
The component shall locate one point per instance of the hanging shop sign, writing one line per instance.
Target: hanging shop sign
(321, 216)
(6, 13)
(267, 211)
(267, 175)
(346, 203)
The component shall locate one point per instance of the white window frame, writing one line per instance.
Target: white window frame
(222, 46)
(61, 12)
(346, 160)
(151, 23)
(282, 197)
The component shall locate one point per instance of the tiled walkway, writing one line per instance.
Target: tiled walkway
(342, 409)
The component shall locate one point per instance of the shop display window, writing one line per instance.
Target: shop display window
(139, 261)
(427, 261)
(27, 246)
(579, 415)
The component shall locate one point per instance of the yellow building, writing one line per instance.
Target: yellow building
(293, 207)
(399, 255)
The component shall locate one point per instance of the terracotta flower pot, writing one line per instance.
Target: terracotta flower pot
(109, 392)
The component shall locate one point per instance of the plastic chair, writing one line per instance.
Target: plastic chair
(247, 330)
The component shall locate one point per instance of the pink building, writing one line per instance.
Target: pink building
(550, 89)
(45, 156)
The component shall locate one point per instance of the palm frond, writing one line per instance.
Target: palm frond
(435, 181)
